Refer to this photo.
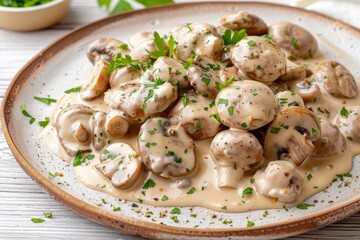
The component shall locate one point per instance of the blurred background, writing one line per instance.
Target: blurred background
(20, 198)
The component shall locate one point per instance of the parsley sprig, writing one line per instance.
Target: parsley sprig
(160, 45)
(121, 61)
(234, 38)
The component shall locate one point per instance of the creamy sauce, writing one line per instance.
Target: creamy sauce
(203, 189)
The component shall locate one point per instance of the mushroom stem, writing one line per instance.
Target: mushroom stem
(81, 134)
(228, 176)
(299, 148)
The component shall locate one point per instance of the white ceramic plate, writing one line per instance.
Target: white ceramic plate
(64, 64)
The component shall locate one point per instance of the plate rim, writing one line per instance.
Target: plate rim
(136, 226)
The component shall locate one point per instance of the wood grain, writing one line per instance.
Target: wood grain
(21, 199)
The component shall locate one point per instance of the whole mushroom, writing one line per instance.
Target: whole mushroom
(234, 151)
(289, 99)
(337, 80)
(116, 123)
(73, 128)
(259, 59)
(295, 39)
(192, 112)
(246, 105)
(307, 90)
(348, 120)
(105, 49)
(331, 142)
(243, 20)
(121, 164)
(166, 149)
(279, 181)
(291, 135)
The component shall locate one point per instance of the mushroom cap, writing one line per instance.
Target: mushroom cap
(192, 113)
(123, 75)
(97, 82)
(295, 39)
(331, 142)
(291, 135)
(337, 80)
(308, 91)
(140, 37)
(237, 147)
(200, 38)
(289, 99)
(246, 105)
(166, 149)
(141, 51)
(280, 181)
(171, 70)
(121, 164)
(243, 20)
(73, 128)
(104, 48)
(295, 71)
(259, 59)
(349, 123)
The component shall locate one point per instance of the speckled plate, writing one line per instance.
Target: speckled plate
(63, 65)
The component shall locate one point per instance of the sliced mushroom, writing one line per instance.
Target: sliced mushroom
(234, 151)
(348, 120)
(295, 72)
(295, 39)
(259, 59)
(105, 49)
(243, 20)
(100, 136)
(337, 80)
(246, 105)
(308, 91)
(291, 135)
(166, 149)
(192, 113)
(140, 37)
(96, 83)
(280, 181)
(198, 39)
(121, 164)
(289, 99)
(73, 128)
(331, 142)
(116, 124)
(123, 75)
(171, 70)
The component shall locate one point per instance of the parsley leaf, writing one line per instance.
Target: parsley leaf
(73, 90)
(191, 191)
(344, 112)
(149, 184)
(47, 101)
(224, 85)
(77, 159)
(48, 214)
(171, 44)
(37, 220)
(304, 206)
(160, 45)
(175, 211)
(236, 37)
(119, 62)
(44, 123)
(26, 114)
(247, 191)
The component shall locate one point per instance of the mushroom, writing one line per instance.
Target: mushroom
(280, 181)
(198, 39)
(234, 151)
(192, 113)
(337, 80)
(166, 149)
(291, 135)
(259, 59)
(96, 83)
(140, 37)
(331, 142)
(307, 90)
(246, 105)
(141, 51)
(123, 75)
(348, 120)
(73, 128)
(243, 20)
(100, 136)
(139, 101)
(295, 72)
(293, 38)
(230, 72)
(121, 164)
(116, 124)
(289, 99)
(205, 76)
(105, 49)
(277, 86)
(171, 70)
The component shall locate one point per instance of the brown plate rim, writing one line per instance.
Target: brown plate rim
(139, 227)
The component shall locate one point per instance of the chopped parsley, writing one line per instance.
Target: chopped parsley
(341, 176)
(231, 39)
(244, 125)
(247, 191)
(188, 63)
(224, 85)
(309, 176)
(304, 206)
(77, 159)
(185, 100)
(26, 114)
(216, 116)
(48, 214)
(294, 42)
(37, 220)
(164, 198)
(175, 211)
(250, 224)
(124, 46)
(206, 81)
(222, 101)
(251, 43)
(119, 62)
(344, 112)
(44, 123)
(275, 130)
(73, 90)
(191, 191)
(117, 209)
(198, 124)
(149, 184)
(47, 101)
(231, 110)
(314, 132)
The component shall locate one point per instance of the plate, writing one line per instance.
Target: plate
(63, 65)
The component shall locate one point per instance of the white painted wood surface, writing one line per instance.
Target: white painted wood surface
(21, 199)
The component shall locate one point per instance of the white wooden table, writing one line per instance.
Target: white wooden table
(21, 199)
